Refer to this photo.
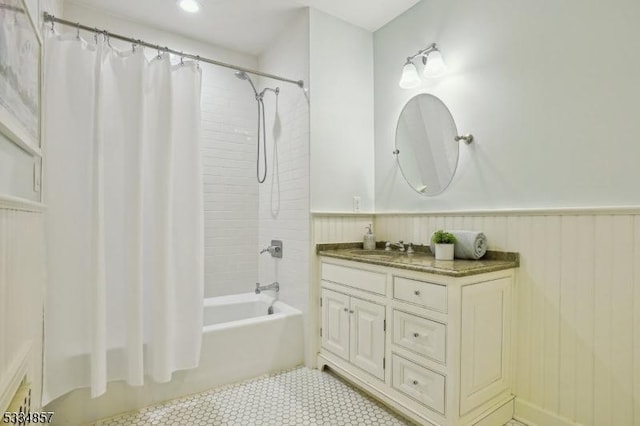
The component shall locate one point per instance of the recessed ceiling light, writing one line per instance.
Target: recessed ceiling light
(191, 6)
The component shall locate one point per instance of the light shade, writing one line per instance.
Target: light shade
(191, 6)
(435, 66)
(410, 78)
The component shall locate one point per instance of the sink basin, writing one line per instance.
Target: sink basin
(362, 252)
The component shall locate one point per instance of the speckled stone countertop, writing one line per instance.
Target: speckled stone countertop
(422, 260)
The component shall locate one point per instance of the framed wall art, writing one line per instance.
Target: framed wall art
(20, 99)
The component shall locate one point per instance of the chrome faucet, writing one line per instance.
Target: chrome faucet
(270, 249)
(273, 286)
(399, 245)
(275, 249)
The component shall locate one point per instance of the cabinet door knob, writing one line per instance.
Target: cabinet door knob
(416, 335)
(350, 312)
(346, 309)
(415, 382)
(417, 292)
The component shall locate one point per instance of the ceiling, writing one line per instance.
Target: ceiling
(246, 25)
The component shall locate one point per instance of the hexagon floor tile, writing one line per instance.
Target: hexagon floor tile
(296, 397)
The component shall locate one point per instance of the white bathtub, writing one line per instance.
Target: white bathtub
(239, 309)
(240, 340)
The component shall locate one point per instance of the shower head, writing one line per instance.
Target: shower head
(244, 76)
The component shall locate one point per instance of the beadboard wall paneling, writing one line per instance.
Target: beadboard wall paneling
(578, 325)
(340, 228)
(21, 297)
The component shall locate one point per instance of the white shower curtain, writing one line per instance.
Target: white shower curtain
(123, 188)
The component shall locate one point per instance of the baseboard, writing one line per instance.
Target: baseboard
(532, 415)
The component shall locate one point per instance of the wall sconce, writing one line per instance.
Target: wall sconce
(434, 66)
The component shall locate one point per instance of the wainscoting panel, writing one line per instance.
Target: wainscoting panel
(578, 313)
(21, 297)
(339, 228)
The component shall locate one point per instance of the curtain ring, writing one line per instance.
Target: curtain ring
(198, 62)
(105, 33)
(78, 30)
(159, 52)
(181, 58)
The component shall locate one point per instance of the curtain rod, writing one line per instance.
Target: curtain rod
(50, 18)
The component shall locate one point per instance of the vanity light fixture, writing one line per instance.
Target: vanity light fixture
(410, 78)
(191, 6)
(434, 66)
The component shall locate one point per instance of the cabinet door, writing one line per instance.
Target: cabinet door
(485, 342)
(367, 336)
(335, 323)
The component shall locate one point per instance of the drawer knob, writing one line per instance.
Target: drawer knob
(416, 335)
(415, 382)
(417, 292)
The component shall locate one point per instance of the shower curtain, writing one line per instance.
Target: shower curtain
(124, 220)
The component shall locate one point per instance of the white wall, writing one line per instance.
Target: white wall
(548, 89)
(284, 196)
(341, 114)
(229, 132)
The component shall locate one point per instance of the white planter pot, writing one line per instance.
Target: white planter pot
(444, 251)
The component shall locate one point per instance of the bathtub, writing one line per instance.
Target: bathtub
(240, 341)
(241, 309)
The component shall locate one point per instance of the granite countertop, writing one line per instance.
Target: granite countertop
(422, 260)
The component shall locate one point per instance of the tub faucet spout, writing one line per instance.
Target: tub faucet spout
(273, 286)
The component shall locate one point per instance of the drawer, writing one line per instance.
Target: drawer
(429, 295)
(375, 282)
(420, 335)
(419, 383)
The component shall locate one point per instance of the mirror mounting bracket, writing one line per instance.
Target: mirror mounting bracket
(466, 138)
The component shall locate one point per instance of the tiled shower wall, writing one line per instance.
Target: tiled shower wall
(230, 188)
(284, 197)
(578, 313)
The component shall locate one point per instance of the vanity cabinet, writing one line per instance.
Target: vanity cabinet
(436, 348)
(354, 329)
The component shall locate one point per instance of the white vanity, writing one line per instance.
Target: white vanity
(431, 339)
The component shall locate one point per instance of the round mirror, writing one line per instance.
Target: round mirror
(426, 146)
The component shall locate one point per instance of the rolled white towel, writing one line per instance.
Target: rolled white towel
(469, 244)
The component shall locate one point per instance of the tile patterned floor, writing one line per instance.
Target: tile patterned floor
(296, 397)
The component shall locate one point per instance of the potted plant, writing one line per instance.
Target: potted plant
(444, 242)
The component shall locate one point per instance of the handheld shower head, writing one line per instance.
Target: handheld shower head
(241, 75)
(244, 76)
